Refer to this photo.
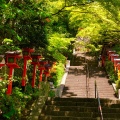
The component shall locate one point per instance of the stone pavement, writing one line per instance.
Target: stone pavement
(77, 84)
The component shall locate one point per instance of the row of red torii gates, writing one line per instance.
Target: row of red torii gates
(11, 58)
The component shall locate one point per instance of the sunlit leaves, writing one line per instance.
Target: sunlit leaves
(58, 41)
(25, 19)
(58, 46)
(77, 2)
(55, 6)
(90, 20)
(111, 5)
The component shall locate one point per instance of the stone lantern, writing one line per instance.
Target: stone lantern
(115, 62)
(2, 63)
(113, 56)
(35, 62)
(11, 58)
(47, 70)
(26, 56)
(118, 70)
(41, 68)
(109, 53)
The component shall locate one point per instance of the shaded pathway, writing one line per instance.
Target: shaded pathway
(75, 84)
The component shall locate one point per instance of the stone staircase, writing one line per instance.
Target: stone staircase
(78, 102)
(79, 109)
(76, 84)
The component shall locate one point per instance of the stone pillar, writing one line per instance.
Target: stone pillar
(119, 94)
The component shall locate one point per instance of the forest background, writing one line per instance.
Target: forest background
(50, 26)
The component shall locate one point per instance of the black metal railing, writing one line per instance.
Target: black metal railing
(87, 78)
(99, 103)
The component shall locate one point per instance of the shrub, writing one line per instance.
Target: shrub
(118, 84)
(57, 76)
(110, 71)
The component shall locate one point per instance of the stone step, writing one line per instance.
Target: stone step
(74, 88)
(76, 99)
(70, 108)
(88, 104)
(74, 104)
(84, 100)
(76, 80)
(71, 113)
(73, 81)
(72, 118)
(66, 118)
(74, 93)
(80, 109)
(80, 114)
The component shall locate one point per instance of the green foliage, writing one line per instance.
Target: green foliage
(24, 22)
(93, 50)
(36, 92)
(58, 47)
(110, 71)
(51, 93)
(98, 20)
(57, 75)
(109, 66)
(7, 45)
(117, 48)
(50, 26)
(113, 77)
(117, 84)
(13, 105)
(91, 46)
